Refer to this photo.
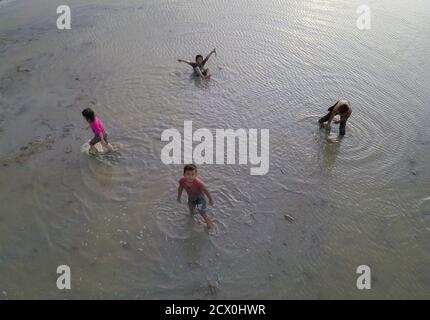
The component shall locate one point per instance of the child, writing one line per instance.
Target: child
(199, 65)
(342, 108)
(195, 189)
(100, 134)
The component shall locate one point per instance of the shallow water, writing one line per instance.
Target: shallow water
(363, 199)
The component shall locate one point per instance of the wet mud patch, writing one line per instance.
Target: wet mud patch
(16, 78)
(36, 146)
(22, 36)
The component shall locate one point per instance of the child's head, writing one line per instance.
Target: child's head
(199, 59)
(343, 109)
(190, 172)
(88, 114)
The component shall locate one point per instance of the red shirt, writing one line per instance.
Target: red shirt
(97, 126)
(195, 190)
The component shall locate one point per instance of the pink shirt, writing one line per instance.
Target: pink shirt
(195, 190)
(97, 126)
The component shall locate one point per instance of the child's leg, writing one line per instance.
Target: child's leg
(201, 208)
(342, 128)
(93, 142)
(192, 207)
(108, 145)
(208, 220)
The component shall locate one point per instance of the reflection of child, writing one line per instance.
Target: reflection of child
(196, 191)
(96, 125)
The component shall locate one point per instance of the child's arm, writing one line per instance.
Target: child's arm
(180, 193)
(199, 73)
(207, 193)
(209, 55)
(187, 62)
(332, 114)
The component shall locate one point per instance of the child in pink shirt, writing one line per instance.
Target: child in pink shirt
(196, 191)
(96, 125)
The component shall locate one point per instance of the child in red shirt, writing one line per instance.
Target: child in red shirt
(96, 125)
(196, 191)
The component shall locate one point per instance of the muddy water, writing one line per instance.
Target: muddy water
(114, 220)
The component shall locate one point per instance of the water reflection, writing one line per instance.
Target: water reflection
(328, 151)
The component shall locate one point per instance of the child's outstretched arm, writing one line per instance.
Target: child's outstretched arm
(187, 62)
(207, 193)
(209, 55)
(180, 193)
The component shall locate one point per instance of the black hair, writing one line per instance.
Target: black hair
(199, 56)
(343, 109)
(88, 114)
(190, 167)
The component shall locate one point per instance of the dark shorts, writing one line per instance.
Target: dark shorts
(97, 139)
(199, 204)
